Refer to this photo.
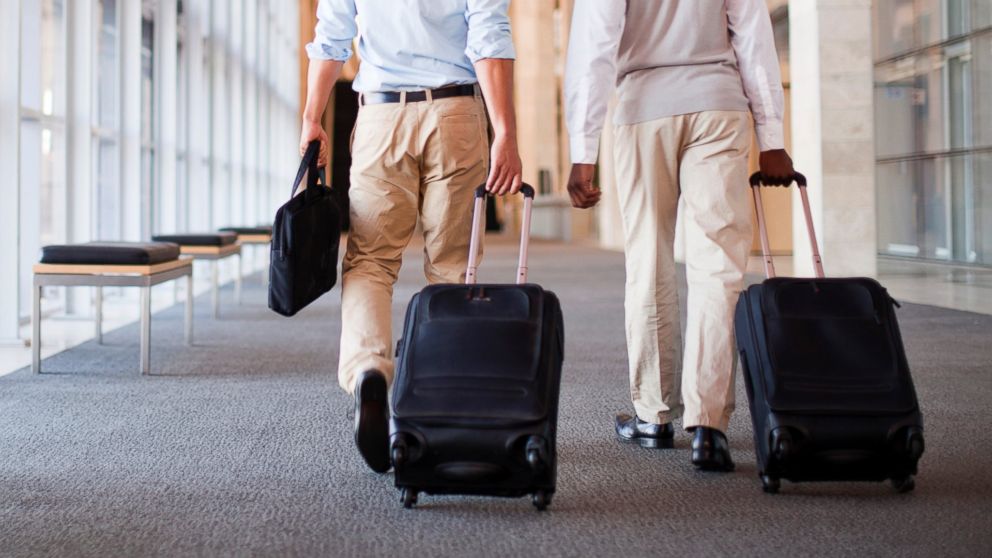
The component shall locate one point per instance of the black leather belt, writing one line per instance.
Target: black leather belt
(417, 96)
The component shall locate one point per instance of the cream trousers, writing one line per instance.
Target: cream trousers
(702, 157)
(409, 160)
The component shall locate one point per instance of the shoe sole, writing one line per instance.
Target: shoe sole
(714, 467)
(650, 443)
(372, 423)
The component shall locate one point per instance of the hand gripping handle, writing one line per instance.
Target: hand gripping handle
(310, 171)
(756, 181)
(471, 276)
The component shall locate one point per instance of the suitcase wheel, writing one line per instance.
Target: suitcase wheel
(770, 484)
(903, 484)
(541, 500)
(409, 497)
(399, 455)
(782, 445)
(537, 453)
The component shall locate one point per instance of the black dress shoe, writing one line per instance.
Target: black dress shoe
(372, 419)
(648, 435)
(710, 451)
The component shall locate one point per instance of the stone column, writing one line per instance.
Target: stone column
(536, 83)
(832, 132)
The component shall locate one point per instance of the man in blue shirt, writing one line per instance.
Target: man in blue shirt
(419, 149)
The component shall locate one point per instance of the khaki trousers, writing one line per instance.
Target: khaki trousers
(409, 160)
(702, 157)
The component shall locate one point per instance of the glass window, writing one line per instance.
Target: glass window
(148, 122)
(933, 101)
(983, 208)
(107, 65)
(897, 101)
(981, 83)
(42, 150)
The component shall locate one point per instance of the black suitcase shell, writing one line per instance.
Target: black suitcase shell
(828, 384)
(476, 391)
(475, 397)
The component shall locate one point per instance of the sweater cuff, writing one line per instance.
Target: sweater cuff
(771, 136)
(584, 149)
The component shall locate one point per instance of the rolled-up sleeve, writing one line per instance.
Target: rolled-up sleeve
(488, 30)
(336, 31)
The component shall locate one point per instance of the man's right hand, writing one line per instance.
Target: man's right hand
(584, 195)
(315, 131)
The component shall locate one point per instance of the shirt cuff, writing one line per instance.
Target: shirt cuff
(497, 51)
(771, 136)
(584, 149)
(320, 51)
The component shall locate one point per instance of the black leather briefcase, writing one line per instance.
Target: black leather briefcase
(827, 380)
(305, 238)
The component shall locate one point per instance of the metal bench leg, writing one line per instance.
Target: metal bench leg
(214, 287)
(189, 309)
(237, 281)
(146, 328)
(98, 315)
(36, 329)
(265, 269)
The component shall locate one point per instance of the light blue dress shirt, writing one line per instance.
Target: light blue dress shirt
(407, 45)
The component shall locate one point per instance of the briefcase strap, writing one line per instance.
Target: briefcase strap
(766, 253)
(478, 219)
(309, 170)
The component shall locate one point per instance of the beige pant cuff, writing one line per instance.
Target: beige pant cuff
(690, 422)
(348, 380)
(657, 417)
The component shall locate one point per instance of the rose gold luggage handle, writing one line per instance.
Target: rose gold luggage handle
(766, 252)
(471, 276)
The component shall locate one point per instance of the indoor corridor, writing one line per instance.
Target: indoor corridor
(244, 441)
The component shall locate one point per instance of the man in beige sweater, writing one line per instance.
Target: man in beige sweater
(689, 76)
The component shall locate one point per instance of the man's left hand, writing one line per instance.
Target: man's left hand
(776, 168)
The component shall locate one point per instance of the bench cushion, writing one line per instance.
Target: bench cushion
(201, 239)
(248, 230)
(111, 253)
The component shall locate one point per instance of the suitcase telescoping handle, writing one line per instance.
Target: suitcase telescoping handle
(477, 222)
(800, 180)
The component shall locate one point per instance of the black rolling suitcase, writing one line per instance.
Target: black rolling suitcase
(475, 398)
(829, 388)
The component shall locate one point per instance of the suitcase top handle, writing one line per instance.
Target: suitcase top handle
(756, 182)
(471, 276)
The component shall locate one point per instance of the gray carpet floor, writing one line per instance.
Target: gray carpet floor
(241, 445)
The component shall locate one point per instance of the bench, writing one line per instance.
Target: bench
(111, 264)
(211, 247)
(254, 236)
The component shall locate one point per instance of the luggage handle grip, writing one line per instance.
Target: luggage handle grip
(471, 275)
(756, 182)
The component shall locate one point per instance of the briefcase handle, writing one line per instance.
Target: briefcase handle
(756, 182)
(308, 169)
(478, 218)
